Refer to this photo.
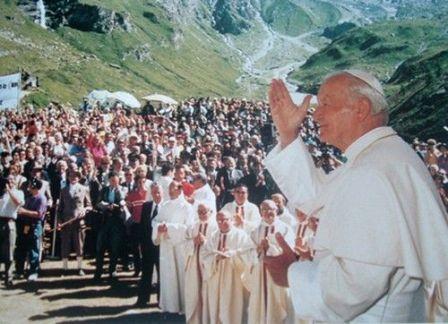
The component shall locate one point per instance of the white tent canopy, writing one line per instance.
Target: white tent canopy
(161, 98)
(125, 98)
(98, 95)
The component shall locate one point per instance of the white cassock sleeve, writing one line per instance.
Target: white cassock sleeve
(294, 172)
(335, 289)
(252, 222)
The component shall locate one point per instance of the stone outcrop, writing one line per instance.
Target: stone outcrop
(79, 16)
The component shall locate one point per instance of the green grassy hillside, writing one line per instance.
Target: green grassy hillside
(294, 17)
(159, 55)
(416, 88)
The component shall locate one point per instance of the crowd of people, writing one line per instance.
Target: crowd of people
(183, 190)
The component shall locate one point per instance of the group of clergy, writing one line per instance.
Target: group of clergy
(211, 263)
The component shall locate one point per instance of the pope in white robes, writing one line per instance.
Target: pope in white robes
(197, 236)
(268, 302)
(382, 226)
(169, 231)
(225, 256)
(246, 214)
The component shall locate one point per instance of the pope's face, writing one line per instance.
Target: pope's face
(334, 112)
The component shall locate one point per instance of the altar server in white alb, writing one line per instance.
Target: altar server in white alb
(197, 236)
(268, 303)
(225, 256)
(169, 231)
(245, 214)
(382, 230)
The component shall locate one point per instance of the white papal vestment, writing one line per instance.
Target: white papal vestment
(382, 231)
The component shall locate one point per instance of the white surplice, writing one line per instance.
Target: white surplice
(382, 231)
(177, 215)
(194, 297)
(206, 196)
(251, 214)
(268, 302)
(288, 218)
(224, 290)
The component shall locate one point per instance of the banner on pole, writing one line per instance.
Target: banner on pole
(10, 88)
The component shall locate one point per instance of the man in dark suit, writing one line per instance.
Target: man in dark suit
(150, 252)
(93, 219)
(227, 178)
(111, 234)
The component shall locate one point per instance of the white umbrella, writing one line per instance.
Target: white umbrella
(161, 98)
(98, 95)
(125, 98)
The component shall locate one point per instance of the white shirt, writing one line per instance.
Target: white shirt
(206, 196)
(382, 230)
(7, 207)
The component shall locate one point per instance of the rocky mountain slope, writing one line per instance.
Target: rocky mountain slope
(409, 57)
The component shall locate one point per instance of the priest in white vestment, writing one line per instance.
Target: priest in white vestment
(224, 257)
(268, 302)
(197, 236)
(245, 214)
(203, 193)
(382, 226)
(169, 231)
(283, 213)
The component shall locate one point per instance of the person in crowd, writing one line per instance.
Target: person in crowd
(112, 231)
(180, 175)
(135, 200)
(11, 199)
(150, 251)
(74, 204)
(29, 229)
(169, 232)
(227, 178)
(246, 214)
(167, 174)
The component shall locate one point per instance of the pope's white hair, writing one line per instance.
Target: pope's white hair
(368, 87)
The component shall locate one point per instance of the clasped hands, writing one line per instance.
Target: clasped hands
(238, 219)
(199, 239)
(263, 247)
(162, 229)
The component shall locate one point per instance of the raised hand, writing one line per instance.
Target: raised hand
(286, 115)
